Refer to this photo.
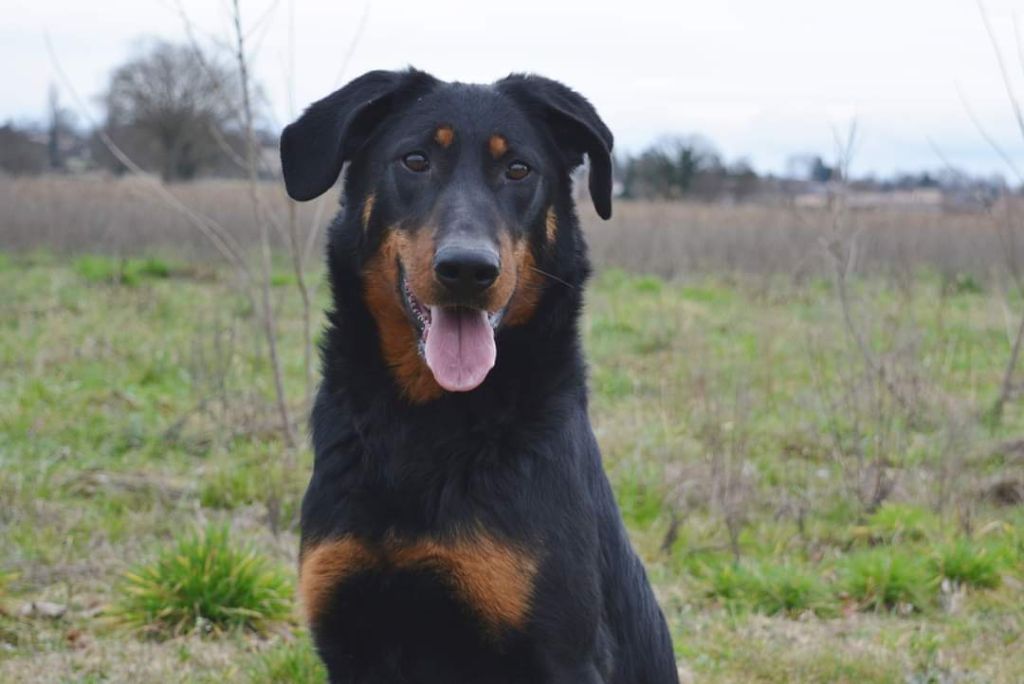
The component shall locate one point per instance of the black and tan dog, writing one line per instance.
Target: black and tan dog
(458, 526)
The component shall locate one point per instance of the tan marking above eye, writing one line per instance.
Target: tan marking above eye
(498, 146)
(444, 135)
(493, 577)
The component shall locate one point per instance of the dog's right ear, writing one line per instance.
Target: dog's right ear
(331, 131)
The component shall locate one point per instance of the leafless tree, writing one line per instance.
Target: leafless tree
(169, 108)
(724, 436)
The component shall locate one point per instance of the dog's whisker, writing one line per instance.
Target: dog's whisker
(553, 277)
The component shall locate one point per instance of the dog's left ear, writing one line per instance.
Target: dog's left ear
(331, 131)
(575, 126)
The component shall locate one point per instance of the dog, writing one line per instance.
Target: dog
(458, 525)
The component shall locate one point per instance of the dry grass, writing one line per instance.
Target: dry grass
(675, 238)
(121, 216)
(110, 215)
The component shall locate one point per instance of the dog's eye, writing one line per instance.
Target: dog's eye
(517, 170)
(416, 161)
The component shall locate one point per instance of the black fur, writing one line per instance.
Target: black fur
(516, 456)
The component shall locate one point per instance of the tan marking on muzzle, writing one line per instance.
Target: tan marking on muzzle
(368, 209)
(399, 341)
(551, 226)
(529, 287)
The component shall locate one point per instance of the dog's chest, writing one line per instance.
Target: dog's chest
(492, 578)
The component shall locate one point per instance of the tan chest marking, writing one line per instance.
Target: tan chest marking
(494, 578)
(325, 565)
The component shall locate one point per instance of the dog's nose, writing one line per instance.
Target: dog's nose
(466, 271)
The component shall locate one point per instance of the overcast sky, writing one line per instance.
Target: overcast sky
(761, 79)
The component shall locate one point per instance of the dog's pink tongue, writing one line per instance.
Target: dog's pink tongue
(459, 347)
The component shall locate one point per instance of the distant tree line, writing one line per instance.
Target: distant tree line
(684, 167)
(170, 108)
(174, 111)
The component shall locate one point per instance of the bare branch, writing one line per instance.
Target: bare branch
(992, 142)
(1004, 72)
(1017, 40)
(269, 322)
(1006, 387)
(354, 43)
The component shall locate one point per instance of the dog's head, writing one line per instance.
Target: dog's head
(455, 191)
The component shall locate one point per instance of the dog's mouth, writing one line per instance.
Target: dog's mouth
(457, 342)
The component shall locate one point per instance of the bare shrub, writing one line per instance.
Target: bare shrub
(723, 430)
(862, 423)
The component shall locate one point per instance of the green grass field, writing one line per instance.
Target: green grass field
(805, 515)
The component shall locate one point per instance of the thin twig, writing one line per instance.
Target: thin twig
(318, 215)
(307, 313)
(990, 139)
(1003, 71)
(1006, 387)
(842, 249)
(269, 322)
(353, 44)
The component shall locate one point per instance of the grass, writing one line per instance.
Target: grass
(96, 268)
(294, 662)
(883, 579)
(770, 589)
(204, 583)
(894, 523)
(968, 564)
(134, 411)
(784, 589)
